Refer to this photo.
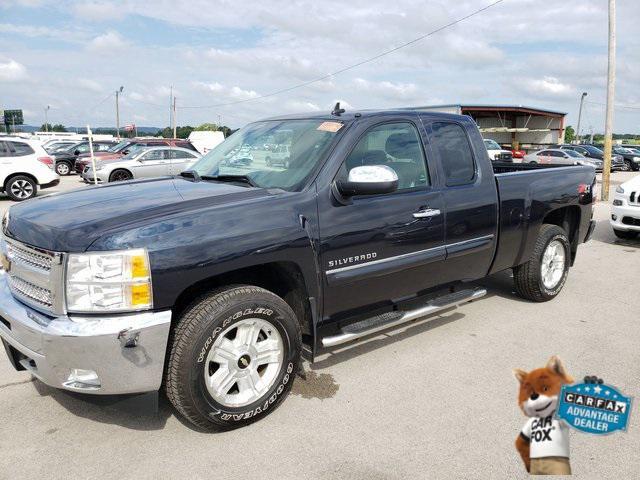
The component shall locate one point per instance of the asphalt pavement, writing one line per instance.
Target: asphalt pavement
(434, 399)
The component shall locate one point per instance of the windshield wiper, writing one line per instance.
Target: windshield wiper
(230, 178)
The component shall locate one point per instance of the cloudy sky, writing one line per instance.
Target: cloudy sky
(73, 55)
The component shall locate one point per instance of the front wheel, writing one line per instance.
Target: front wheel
(120, 176)
(625, 234)
(544, 275)
(234, 356)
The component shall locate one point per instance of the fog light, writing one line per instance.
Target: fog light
(617, 202)
(83, 379)
(614, 217)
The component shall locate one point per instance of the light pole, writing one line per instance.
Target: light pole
(584, 94)
(118, 92)
(46, 118)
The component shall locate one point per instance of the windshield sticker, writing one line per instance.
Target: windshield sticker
(332, 127)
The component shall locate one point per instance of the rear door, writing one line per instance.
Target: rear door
(470, 198)
(154, 163)
(380, 249)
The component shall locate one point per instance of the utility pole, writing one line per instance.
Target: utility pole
(611, 86)
(584, 94)
(118, 92)
(171, 107)
(174, 118)
(46, 118)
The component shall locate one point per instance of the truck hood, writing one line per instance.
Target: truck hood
(72, 221)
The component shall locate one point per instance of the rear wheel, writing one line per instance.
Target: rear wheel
(63, 168)
(543, 276)
(233, 358)
(120, 176)
(625, 234)
(21, 188)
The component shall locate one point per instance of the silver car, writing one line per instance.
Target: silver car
(145, 163)
(557, 156)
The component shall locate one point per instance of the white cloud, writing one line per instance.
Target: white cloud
(387, 89)
(109, 42)
(12, 71)
(89, 85)
(98, 11)
(224, 93)
(547, 87)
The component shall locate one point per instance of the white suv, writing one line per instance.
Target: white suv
(625, 213)
(24, 166)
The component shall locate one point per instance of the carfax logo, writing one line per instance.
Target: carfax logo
(599, 409)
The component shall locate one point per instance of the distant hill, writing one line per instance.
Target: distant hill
(141, 130)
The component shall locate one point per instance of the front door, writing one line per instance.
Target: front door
(154, 163)
(381, 249)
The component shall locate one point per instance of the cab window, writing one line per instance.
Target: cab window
(452, 145)
(396, 145)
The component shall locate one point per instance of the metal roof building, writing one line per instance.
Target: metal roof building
(517, 126)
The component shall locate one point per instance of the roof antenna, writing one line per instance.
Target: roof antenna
(337, 111)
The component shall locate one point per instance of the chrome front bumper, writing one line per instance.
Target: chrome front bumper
(125, 351)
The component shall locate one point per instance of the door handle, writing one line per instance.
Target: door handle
(427, 212)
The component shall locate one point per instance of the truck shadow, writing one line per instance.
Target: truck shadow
(145, 412)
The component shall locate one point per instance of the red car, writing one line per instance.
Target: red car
(127, 146)
(518, 153)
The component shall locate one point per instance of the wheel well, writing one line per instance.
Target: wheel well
(13, 175)
(567, 218)
(282, 278)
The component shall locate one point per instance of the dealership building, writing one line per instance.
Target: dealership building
(513, 126)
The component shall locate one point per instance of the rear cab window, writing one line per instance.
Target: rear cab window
(450, 142)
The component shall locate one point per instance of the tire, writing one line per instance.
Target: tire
(625, 234)
(530, 280)
(63, 168)
(211, 337)
(21, 188)
(120, 175)
(629, 165)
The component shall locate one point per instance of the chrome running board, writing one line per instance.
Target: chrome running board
(392, 319)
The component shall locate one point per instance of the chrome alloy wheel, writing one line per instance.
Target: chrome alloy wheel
(22, 189)
(552, 265)
(244, 362)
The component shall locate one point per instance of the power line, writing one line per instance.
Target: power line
(355, 65)
(101, 101)
(628, 107)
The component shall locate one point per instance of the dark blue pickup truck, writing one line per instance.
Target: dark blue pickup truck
(213, 284)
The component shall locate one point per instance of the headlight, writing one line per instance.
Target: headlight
(619, 189)
(636, 159)
(109, 281)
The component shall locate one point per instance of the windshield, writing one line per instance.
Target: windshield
(272, 154)
(492, 145)
(592, 149)
(573, 153)
(134, 150)
(118, 146)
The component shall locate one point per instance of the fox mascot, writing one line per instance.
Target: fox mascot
(543, 442)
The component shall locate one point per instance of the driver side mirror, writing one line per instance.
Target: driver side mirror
(368, 180)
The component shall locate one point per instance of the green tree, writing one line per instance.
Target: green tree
(207, 127)
(58, 127)
(569, 134)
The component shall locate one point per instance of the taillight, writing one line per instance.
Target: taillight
(48, 161)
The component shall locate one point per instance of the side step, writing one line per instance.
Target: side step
(391, 319)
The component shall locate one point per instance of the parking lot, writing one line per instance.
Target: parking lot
(434, 399)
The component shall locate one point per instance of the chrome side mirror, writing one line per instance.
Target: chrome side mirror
(369, 180)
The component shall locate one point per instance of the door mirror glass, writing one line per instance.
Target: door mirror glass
(369, 180)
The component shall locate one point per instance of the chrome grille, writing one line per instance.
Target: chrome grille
(30, 257)
(32, 292)
(35, 276)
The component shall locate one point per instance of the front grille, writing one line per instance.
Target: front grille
(631, 221)
(634, 197)
(29, 257)
(35, 276)
(34, 293)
